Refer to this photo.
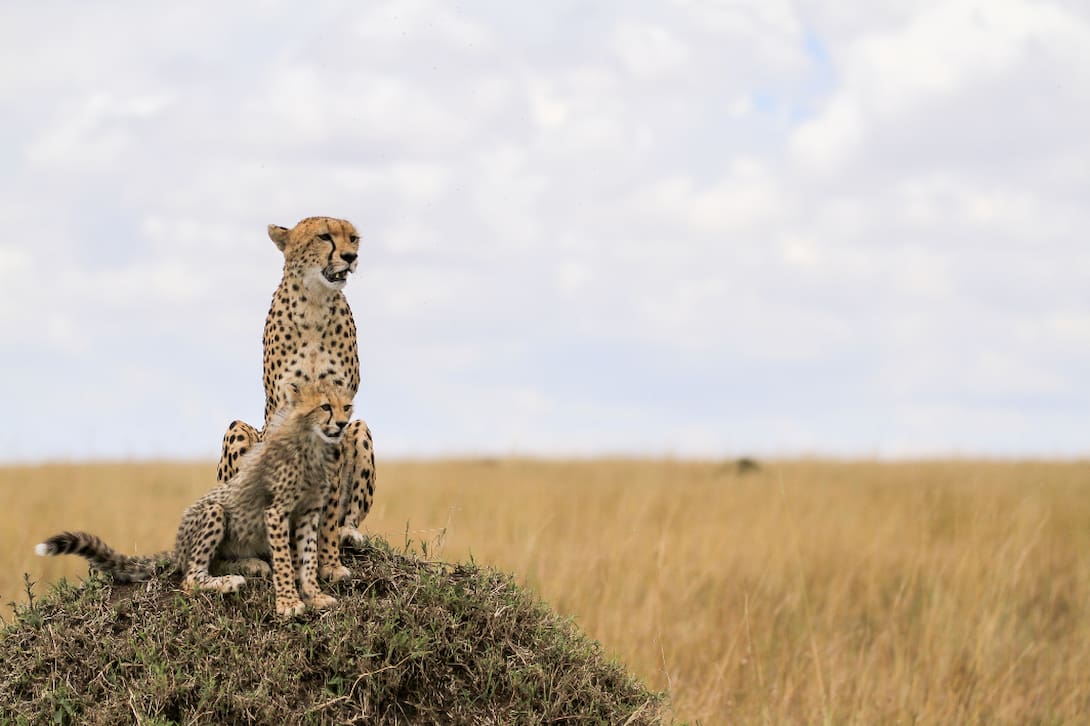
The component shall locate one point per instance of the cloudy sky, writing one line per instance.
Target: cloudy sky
(688, 227)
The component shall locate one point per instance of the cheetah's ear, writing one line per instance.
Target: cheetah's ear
(279, 236)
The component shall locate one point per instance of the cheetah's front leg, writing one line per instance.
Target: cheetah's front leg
(356, 483)
(306, 545)
(329, 551)
(277, 530)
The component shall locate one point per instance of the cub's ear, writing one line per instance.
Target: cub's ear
(279, 236)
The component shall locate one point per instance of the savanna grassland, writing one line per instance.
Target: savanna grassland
(806, 591)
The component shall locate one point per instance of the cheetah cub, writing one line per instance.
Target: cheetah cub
(270, 509)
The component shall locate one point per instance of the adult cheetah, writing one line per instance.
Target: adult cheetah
(269, 509)
(310, 335)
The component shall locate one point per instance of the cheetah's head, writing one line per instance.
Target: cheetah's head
(321, 249)
(326, 406)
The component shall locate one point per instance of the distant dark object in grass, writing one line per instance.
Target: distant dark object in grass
(739, 467)
(411, 641)
(745, 465)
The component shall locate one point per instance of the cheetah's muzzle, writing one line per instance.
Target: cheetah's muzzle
(330, 436)
(335, 276)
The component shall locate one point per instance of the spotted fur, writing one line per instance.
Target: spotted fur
(310, 335)
(269, 510)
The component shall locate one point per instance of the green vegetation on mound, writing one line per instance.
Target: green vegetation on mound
(411, 641)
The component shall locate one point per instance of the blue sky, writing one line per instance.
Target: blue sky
(688, 227)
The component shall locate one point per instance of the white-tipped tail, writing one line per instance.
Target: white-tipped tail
(44, 550)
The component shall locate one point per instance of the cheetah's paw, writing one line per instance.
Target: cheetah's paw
(352, 537)
(289, 608)
(223, 584)
(333, 574)
(321, 601)
(229, 583)
(254, 567)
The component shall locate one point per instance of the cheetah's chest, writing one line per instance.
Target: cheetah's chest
(298, 487)
(306, 342)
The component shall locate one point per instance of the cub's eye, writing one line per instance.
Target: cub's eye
(326, 407)
(326, 237)
(347, 409)
(354, 239)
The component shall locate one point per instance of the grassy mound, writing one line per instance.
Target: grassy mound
(411, 641)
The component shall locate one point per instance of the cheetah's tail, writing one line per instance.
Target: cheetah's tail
(101, 556)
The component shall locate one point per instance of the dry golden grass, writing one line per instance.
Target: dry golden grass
(945, 592)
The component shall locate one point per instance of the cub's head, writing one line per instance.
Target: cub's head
(325, 406)
(322, 249)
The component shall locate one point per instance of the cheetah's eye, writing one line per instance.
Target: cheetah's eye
(354, 239)
(347, 409)
(326, 237)
(326, 407)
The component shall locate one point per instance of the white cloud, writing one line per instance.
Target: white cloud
(548, 109)
(97, 131)
(773, 27)
(800, 251)
(419, 183)
(169, 280)
(505, 196)
(953, 44)
(408, 236)
(373, 106)
(925, 64)
(414, 294)
(15, 279)
(648, 51)
(746, 196)
(826, 141)
(14, 262)
(193, 237)
(824, 216)
(62, 334)
(741, 106)
(573, 275)
(403, 21)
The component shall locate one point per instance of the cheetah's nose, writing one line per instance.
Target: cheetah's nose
(341, 425)
(348, 256)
